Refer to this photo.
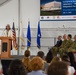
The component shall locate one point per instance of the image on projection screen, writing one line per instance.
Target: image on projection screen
(57, 9)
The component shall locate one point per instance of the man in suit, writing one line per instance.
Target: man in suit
(59, 42)
(54, 50)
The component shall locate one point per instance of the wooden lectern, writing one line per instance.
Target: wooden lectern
(5, 47)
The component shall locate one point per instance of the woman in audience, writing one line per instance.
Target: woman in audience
(66, 59)
(26, 60)
(37, 66)
(58, 68)
(17, 68)
(55, 59)
(72, 59)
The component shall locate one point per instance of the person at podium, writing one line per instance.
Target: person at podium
(6, 33)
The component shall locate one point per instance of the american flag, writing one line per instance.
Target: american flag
(14, 37)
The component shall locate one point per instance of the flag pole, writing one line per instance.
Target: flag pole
(28, 48)
(18, 25)
(28, 36)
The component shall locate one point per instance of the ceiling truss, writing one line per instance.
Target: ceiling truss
(2, 2)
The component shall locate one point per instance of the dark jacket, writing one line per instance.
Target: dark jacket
(58, 44)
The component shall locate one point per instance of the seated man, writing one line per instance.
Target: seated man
(55, 49)
(69, 42)
(59, 42)
(73, 46)
(66, 44)
(62, 48)
(64, 40)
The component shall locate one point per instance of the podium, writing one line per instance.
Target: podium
(5, 47)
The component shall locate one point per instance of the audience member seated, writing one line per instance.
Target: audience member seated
(5, 66)
(17, 68)
(58, 68)
(72, 59)
(26, 60)
(37, 66)
(1, 71)
(66, 59)
(41, 55)
(55, 59)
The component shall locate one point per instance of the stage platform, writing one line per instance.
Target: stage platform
(15, 57)
(6, 62)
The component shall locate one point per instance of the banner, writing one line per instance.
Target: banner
(57, 9)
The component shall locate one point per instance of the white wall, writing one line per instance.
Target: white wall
(30, 9)
(8, 12)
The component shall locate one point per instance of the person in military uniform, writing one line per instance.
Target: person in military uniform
(73, 46)
(66, 44)
(69, 42)
(62, 48)
(64, 41)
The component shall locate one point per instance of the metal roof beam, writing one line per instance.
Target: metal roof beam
(4, 2)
